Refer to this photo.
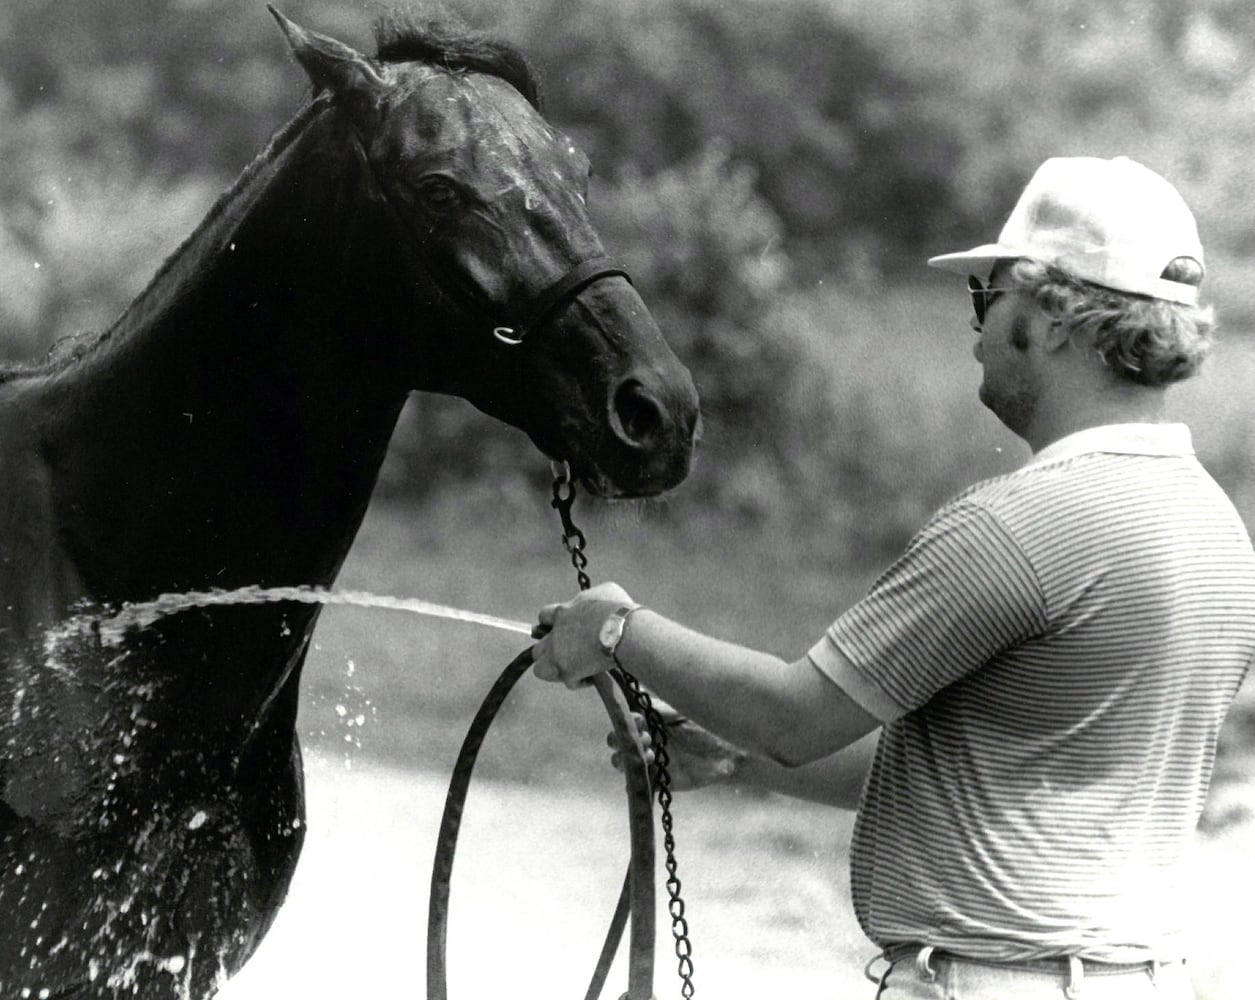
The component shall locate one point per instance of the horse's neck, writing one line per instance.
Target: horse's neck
(230, 426)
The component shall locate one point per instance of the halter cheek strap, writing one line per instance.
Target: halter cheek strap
(568, 286)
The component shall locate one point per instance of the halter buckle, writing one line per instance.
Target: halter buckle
(568, 286)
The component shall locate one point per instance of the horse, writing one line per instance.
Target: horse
(417, 226)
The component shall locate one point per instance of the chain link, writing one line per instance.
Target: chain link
(572, 538)
(574, 542)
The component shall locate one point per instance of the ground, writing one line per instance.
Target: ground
(535, 882)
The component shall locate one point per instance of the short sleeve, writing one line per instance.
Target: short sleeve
(963, 592)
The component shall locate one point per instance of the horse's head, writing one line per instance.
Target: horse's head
(536, 326)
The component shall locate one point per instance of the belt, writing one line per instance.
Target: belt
(1070, 967)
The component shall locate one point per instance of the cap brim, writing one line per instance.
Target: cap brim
(978, 261)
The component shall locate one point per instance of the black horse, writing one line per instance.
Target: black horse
(417, 226)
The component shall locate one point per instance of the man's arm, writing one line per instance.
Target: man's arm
(700, 759)
(790, 713)
(836, 780)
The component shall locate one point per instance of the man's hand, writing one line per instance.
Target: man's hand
(697, 757)
(568, 651)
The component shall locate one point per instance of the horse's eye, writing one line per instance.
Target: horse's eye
(438, 194)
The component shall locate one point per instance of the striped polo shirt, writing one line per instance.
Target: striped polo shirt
(1052, 658)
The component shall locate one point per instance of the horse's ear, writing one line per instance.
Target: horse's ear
(333, 66)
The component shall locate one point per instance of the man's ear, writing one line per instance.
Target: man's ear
(1054, 333)
(351, 78)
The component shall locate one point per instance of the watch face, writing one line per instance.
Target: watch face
(610, 633)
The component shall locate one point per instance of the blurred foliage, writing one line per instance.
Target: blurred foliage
(838, 136)
(767, 169)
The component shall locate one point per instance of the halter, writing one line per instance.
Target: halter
(579, 277)
(567, 287)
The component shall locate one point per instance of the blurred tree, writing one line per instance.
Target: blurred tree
(120, 121)
(832, 129)
(745, 150)
(1014, 83)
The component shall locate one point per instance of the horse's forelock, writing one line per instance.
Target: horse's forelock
(400, 36)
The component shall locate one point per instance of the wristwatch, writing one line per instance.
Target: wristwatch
(611, 633)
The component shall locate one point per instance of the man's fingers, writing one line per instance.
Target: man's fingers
(546, 616)
(618, 759)
(615, 743)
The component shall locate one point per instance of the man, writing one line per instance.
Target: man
(1050, 660)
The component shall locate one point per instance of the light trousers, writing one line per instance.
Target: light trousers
(924, 976)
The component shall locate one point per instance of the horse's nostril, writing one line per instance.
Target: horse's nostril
(638, 416)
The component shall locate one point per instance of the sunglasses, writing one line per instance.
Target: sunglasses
(983, 296)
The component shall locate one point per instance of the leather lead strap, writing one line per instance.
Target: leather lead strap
(639, 881)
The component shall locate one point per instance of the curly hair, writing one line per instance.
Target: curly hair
(1145, 340)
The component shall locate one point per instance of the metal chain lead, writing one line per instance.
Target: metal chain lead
(572, 538)
(573, 541)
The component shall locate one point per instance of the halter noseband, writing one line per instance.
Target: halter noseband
(568, 286)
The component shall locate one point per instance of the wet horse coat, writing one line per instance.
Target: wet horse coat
(227, 430)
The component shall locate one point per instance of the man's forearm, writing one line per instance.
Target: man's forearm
(836, 780)
(786, 712)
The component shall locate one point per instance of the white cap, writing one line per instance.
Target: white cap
(1114, 223)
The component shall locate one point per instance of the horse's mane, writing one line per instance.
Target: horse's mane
(65, 351)
(402, 36)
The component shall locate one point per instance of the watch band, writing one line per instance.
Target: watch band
(614, 627)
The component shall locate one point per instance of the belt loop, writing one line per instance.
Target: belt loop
(878, 979)
(921, 963)
(1076, 976)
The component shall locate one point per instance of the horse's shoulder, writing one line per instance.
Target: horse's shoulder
(37, 579)
(26, 495)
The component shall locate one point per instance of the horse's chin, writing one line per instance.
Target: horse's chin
(617, 476)
(605, 489)
(598, 483)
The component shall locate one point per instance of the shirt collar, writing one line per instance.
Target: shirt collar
(1119, 439)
